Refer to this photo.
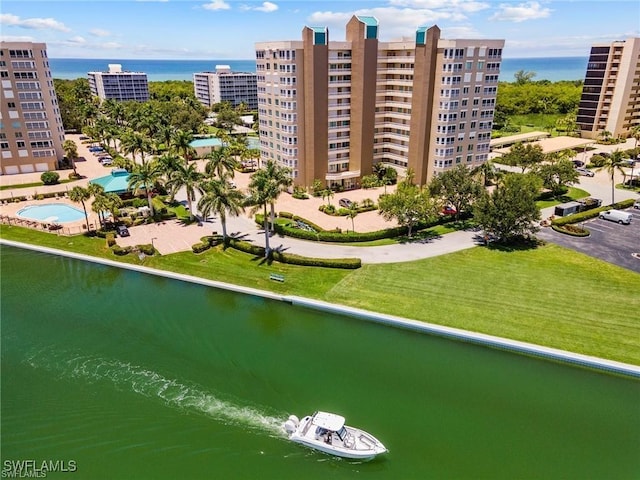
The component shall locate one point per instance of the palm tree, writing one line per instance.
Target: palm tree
(187, 176)
(167, 164)
(328, 194)
(219, 197)
(134, 143)
(81, 194)
(145, 176)
(613, 164)
(181, 144)
(261, 193)
(635, 133)
(280, 177)
(353, 213)
(71, 152)
(221, 163)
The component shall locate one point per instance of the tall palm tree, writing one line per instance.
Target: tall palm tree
(220, 163)
(613, 164)
(635, 133)
(353, 213)
(71, 152)
(187, 176)
(280, 177)
(219, 197)
(80, 195)
(145, 176)
(261, 193)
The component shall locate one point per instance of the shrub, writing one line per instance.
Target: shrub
(572, 230)
(147, 249)
(370, 181)
(120, 251)
(299, 193)
(200, 247)
(111, 239)
(102, 233)
(245, 247)
(39, 196)
(587, 214)
(597, 161)
(50, 178)
(74, 176)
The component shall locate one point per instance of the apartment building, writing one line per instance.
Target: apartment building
(330, 110)
(31, 130)
(611, 93)
(119, 85)
(223, 85)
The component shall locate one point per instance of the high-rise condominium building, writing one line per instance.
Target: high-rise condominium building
(223, 85)
(610, 99)
(118, 85)
(330, 110)
(31, 130)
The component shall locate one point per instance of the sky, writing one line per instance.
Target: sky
(229, 29)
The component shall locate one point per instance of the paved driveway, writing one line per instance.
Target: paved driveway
(609, 241)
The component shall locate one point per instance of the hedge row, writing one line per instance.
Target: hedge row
(336, 236)
(586, 215)
(206, 243)
(292, 259)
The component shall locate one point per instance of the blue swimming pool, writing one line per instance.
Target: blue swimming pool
(52, 212)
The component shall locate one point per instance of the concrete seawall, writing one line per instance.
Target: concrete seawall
(398, 322)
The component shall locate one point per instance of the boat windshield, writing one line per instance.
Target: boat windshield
(342, 433)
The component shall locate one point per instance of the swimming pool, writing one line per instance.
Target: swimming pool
(52, 212)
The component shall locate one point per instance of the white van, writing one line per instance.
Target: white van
(616, 216)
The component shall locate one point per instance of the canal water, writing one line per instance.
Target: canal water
(120, 375)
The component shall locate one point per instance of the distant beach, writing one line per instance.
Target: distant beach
(549, 68)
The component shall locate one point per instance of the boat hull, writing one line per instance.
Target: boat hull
(336, 439)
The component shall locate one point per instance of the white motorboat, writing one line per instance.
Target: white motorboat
(328, 433)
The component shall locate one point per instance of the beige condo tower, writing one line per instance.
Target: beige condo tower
(331, 110)
(31, 131)
(610, 99)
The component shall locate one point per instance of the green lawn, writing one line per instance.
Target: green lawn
(572, 194)
(548, 296)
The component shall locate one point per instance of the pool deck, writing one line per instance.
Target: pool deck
(529, 349)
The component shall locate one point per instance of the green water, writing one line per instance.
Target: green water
(133, 376)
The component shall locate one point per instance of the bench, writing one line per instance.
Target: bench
(277, 277)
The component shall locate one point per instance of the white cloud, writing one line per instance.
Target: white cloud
(33, 23)
(467, 6)
(98, 32)
(520, 13)
(267, 7)
(216, 5)
(76, 41)
(17, 38)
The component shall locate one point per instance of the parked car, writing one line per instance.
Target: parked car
(636, 204)
(577, 163)
(122, 230)
(585, 172)
(345, 202)
(617, 216)
(106, 161)
(449, 210)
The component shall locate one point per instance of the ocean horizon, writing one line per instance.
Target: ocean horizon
(546, 68)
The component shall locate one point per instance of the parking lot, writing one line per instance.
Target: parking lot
(609, 241)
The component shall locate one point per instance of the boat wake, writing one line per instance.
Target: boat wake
(172, 392)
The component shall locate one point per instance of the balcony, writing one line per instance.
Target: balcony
(342, 175)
